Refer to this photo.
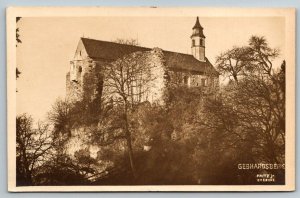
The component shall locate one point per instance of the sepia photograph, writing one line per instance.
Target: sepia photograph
(151, 99)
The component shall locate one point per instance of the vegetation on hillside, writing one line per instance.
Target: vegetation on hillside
(199, 136)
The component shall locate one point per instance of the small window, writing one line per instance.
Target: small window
(185, 80)
(203, 82)
(167, 76)
(193, 42)
(80, 69)
(201, 42)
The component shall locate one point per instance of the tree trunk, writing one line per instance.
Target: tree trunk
(235, 78)
(129, 143)
(27, 172)
(130, 154)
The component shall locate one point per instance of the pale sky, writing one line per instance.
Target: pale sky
(48, 45)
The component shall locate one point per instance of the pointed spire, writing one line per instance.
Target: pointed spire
(197, 24)
(198, 29)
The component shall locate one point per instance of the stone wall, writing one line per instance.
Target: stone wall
(73, 89)
(178, 78)
(84, 85)
(155, 60)
(148, 85)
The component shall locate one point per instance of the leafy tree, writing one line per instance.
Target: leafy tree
(17, 73)
(18, 41)
(17, 31)
(61, 117)
(248, 118)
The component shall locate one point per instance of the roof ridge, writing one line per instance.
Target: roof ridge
(135, 46)
(177, 52)
(115, 43)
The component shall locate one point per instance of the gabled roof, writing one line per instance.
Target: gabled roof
(108, 50)
(187, 62)
(111, 51)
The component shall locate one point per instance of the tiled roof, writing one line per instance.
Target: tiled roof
(111, 51)
(108, 50)
(187, 62)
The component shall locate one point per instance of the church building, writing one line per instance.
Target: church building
(179, 69)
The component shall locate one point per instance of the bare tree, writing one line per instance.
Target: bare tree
(127, 80)
(33, 146)
(235, 62)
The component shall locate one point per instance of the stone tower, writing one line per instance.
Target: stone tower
(198, 42)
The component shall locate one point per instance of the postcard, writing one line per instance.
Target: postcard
(150, 99)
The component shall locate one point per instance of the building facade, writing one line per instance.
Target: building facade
(86, 77)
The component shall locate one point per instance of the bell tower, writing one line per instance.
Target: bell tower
(198, 42)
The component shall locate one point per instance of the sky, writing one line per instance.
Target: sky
(49, 43)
